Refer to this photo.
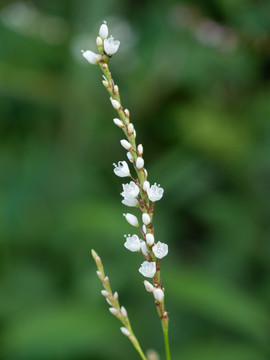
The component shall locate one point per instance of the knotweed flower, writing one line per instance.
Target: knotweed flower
(146, 219)
(148, 269)
(121, 169)
(111, 46)
(150, 239)
(144, 249)
(155, 192)
(149, 287)
(115, 104)
(133, 243)
(139, 163)
(130, 202)
(131, 190)
(126, 145)
(118, 122)
(160, 250)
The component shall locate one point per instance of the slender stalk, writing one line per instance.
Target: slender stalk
(166, 342)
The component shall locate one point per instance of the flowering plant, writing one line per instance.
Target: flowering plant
(137, 193)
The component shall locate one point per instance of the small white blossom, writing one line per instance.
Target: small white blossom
(133, 243)
(111, 46)
(121, 169)
(125, 331)
(144, 249)
(149, 287)
(131, 219)
(155, 192)
(118, 122)
(146, 185)
(126, 145)
(160, 250)
(146, 219)
(105, 293)
(139, 163)
(158, 294)
(131, 190)
(140, 149)
(91, 57)
(130, 202)
(115, 104)
(148, 269)
(150, 239)
(104, 31)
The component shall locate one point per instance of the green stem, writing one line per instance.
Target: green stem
(166, 341)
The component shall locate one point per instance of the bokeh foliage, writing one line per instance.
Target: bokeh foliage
(195, 77)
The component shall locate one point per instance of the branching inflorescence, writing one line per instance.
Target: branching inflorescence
(137, 193)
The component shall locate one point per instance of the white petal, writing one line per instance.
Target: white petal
(133, 243)
(160, 250)
(155, 192)
(148, 269)
(122, 169)
(104, 31)
(111, 46)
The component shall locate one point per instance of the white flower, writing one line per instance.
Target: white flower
(121, 169)
(125, 331)
(113, 311)
(148, 269)
(146, 219)
(139, 163)
(126, 145)
(150, 239)
(103, 30)
(155, 192)
(131, 190)
(111, 46)
(149, 287)
(123, 311)
(130, 128)
(131, 219)
(105, 293)
(130, 202)
(133, 243)
(115, 104)
(144, 249)
(91, 57)
(160, 250)
(158, 294)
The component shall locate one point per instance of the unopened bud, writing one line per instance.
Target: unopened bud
(105, 67)
(105, 293)
(115, 104)
(150, 239)
(158, 294)
(108, 301)
(130, 157)
(118, 122)
(140, 149)
(125, 331)
(146, 219)
(146, 185)
(104, 31)
(113, 311)
(126, 111)
(130, 128)
(116, 89)
(148, 286)
(99, 274)
(115, 295)
(139, 163)
(106, 280)
(125, 144)
(105, 83)
(99, 41)
(134, 133)
(123, 311)
(131, 219)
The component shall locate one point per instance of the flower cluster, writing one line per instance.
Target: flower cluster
(138, 193)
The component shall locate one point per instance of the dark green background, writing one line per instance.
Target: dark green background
(195, 76)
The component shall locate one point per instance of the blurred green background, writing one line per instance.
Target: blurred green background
(195, 76)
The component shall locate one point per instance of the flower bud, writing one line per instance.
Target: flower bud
(108, 301)
(99, 274)
(99, 41)
(115, 295)
(105, 293)
(134, 133)
(118, 122)
(126, 111)
(146, 219)
(104, 31)
(115, 104)
(149, 287)
(146, 185)
(123, 311)
(116, 89)
(113, 311)
(130, 157)
(125, 331)
(130, 128)
(125, 144)
(131, 219)
(91, 57)
(140, 149)
(139, 163)
(158, 294)
(150, 239)
(105, 83)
